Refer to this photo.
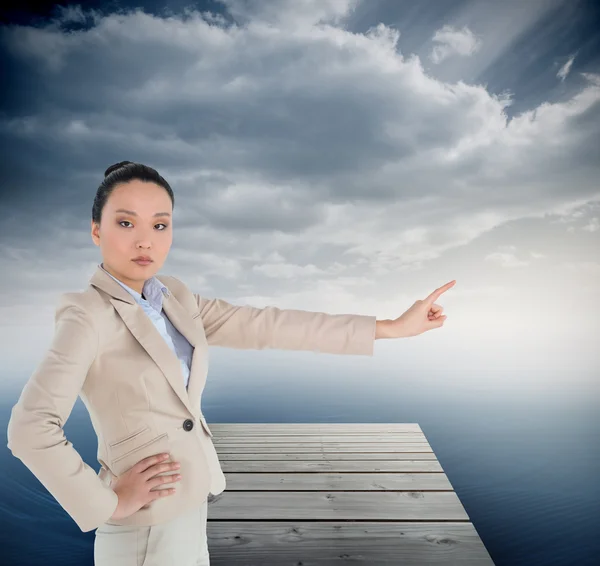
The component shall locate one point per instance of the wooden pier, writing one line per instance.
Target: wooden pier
(331, 494)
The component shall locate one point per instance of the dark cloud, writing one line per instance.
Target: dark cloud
(330, 144)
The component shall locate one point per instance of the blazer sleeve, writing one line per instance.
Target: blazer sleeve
(247, 327)
(35, 428)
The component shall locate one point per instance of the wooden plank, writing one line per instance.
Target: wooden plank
(350, 466)
(335, 448)
(337, 482)
(311, 443)
(360, 543)
(221, 438)
(330, 456)
(271, 429)
(339, 505)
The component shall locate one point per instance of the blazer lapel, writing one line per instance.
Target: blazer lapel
(149, 337)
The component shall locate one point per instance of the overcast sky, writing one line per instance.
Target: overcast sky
(335, 156)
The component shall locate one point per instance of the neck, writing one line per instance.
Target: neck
(133, 283)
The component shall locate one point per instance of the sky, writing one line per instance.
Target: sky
(333, 156)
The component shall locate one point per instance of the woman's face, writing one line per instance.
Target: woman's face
(137, 219)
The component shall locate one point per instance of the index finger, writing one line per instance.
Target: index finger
(145, 463)
(435, 295)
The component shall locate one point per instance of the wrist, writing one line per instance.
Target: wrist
(382, 329)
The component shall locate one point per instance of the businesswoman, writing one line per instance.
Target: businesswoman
(134, 346)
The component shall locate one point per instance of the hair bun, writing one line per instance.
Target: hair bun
(115, 167)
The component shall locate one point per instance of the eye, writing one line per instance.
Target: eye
(161, 224)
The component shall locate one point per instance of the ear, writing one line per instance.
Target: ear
(95, 232)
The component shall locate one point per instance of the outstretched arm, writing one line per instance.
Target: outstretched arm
(246, 327)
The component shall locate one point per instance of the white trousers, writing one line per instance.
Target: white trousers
(180, 542)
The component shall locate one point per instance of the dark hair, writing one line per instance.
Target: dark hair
(123, 172)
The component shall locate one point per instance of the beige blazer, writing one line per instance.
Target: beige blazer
(106, 350)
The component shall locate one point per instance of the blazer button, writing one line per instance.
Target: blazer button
(188, 424)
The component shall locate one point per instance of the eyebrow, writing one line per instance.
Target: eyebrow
(132, 213)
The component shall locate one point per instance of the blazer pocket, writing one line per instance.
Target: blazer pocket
(129, 437)
(152, 447)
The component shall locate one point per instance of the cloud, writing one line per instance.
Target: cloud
(290, 13)
(333, 148)
(592, 226)
(566, 68)
(506, 259)
(453, 42)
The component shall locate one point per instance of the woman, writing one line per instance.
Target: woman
(134, 346)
